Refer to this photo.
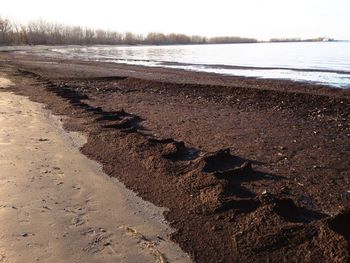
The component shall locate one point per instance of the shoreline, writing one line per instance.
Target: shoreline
(52, 194)
(277, 194)
(172, 75)
(261, 72)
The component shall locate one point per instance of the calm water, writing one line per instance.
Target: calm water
(322, 62)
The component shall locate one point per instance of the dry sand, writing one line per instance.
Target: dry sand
(56, 205)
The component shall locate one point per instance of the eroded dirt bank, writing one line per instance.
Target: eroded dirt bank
(57, 206)
(252, 171)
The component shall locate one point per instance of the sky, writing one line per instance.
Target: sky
(261, 19)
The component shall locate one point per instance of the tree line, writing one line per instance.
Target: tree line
(41, 32)
(318, 39)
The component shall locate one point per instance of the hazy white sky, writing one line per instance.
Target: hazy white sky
(261, 19)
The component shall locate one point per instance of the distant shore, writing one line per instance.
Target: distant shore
(145, 43)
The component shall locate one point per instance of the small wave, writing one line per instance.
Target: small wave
(319, 63)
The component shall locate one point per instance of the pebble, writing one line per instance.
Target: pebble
(216, 228)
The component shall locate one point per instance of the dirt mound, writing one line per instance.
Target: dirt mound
(341, 224)
(288, 232)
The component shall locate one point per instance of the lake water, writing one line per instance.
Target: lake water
(325, 63)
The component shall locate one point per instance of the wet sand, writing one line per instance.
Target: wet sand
(58, 206)
(251, 170)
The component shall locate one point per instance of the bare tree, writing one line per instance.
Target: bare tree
(5, 28)
(41, 32)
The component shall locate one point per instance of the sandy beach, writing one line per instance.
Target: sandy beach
(250, 170)
(58, 206)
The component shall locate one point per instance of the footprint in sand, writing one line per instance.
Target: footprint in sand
(145, 243)
(77, 221)
(76, 187)
(99, 241)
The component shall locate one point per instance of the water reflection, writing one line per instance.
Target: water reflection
(271, 60)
